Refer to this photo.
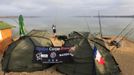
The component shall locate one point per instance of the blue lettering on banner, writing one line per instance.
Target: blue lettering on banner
(42, 48)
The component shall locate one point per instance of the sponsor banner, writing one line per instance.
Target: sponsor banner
(52, 54)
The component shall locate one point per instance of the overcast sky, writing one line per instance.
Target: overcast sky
(66, 7)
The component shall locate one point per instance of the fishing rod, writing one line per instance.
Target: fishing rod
(117, 44)
(129, 32)
(100, 24)
(123, 30)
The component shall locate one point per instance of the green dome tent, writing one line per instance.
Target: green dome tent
(18, 57)
(110, 67)
(84, 63)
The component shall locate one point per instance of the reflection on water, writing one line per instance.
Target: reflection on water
(110, 26)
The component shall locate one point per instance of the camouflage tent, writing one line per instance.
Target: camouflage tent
(19, 55)
(84, 63)
(110, 67)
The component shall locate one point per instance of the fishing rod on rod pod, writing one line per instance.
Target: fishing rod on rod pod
(128, 33)
(117, 44)
(128, 25)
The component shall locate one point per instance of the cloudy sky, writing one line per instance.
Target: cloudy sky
(59, 11)
(65, 7)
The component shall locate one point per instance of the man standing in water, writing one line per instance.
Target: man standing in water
(54, 29)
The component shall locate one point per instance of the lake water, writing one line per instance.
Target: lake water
(110, 26)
